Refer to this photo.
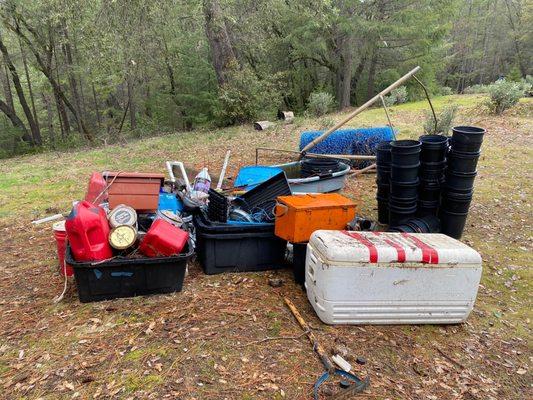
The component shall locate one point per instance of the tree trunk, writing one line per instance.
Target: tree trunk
(36, 135)
(30, 90)
(16, 121)
(49, 119)
(518, 50)
(67, 52)
(372, 74)
(355, 80)
(96, 110)
(4, 77)
(131, 102)
(347, 67)
(46, 69)
(63, 116)
(222, 53)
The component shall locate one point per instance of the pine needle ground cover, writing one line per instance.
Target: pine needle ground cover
(231, 336)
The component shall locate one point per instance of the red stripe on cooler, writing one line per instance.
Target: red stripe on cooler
(370, 246)
(429, 254)
(400, 251)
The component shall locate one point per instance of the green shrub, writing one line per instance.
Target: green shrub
(397, 96)
(476, 89)
(444, 121)
(527, 85)
(244, 98)
(503, 95)
(445, 91)
(320, 103)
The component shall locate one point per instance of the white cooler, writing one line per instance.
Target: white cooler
(390, 278)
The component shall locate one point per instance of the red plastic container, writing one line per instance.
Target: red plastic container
(88, 232)
(61, 241)
(163, 239)
(96, 185)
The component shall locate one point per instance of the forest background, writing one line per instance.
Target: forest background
(84, 73)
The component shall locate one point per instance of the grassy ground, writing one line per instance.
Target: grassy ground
(207, 341)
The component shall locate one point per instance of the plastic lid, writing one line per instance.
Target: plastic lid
(320, 200)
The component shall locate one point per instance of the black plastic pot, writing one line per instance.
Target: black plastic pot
(404, 189)
(462, 161)
(402, 228)
(433, 166)
(383, 175)
(427, 208)
(398, 214)
(405, 152)
(467, 138)
(425, 224)
(403, 201)
(462, 182)
(456, 202)
(404, 173)
(429, 192)
(434, 148)
(383, 211)
(452, 224)
(383, 191)
(383, 154)
(431, 176)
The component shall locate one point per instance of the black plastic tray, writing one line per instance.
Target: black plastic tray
(237, 248)
(264, 195)
(127, 277)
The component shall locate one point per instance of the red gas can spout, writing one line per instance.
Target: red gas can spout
(96, 188)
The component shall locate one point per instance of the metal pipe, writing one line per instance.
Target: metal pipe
(223, 171)
(180, 165)
(315, 155)
(429, 101)
(388, 117)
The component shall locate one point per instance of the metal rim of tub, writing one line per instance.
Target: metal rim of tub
(301, 181)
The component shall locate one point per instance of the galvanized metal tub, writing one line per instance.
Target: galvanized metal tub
(315, 184)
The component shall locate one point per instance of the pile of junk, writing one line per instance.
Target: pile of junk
(136, 233)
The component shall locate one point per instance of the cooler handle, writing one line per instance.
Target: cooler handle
(309, 267)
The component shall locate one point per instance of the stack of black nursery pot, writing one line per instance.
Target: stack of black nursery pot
(460, 174)
(383, 162)
(405, 161)
(432, 166)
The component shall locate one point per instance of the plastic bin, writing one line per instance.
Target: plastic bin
(140, 191)
(237, 247)
(127, 277)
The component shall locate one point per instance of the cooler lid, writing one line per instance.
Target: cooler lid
(391, 247)
(316, 201)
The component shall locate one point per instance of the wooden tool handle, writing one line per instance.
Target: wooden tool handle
(317, 347)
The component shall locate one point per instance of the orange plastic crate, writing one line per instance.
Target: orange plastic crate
(297, 217)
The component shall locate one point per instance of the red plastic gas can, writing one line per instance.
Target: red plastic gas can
(96, 186)
(163, 240)
(88, 232)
